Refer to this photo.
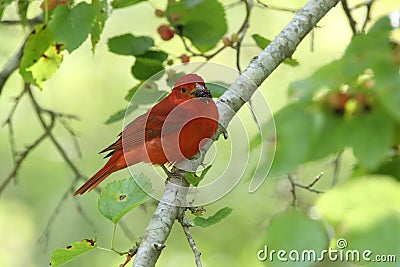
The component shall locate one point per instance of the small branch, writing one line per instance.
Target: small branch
(174, 197)
(368, 5)
(44, 237)
(159, 227)
(336, 168)
(309, 187)
(31, 22)
(132, 252)
(11, 65)
(24, 154)
(278, 8)
(347, 11)
(242, 32)
(186, 223)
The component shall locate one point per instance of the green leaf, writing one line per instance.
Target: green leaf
(371, 136)
(39, 51)
(148, 94)
(72, 26)
(330, 134)
(119, 197)
(293, 231)
(195, 180)
(117, 116)
(390, 167)
(217, 217)
(173, 77)
(22, 10)
(61, 256)
(291, 62)
(261, 41)
(203, 22)
(124, 3)
(130, 45)
(217, 88)
(153, 54)
(366, 213)
(144, 68)
(295, 132)
(132, 91)
(46, 66)
(100, 16)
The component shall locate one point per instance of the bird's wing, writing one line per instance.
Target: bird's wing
(146, 127)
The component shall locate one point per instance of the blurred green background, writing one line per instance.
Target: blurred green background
(93, 87)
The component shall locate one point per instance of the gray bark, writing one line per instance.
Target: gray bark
(282, 47)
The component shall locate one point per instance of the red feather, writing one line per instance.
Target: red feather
(169, 132)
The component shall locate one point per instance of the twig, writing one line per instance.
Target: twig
(232, 100)
(336, 168)
(44, 237)
(132, 252)
(368, 4)
(186, 223)
(347, 11)
(278, 8)
(24, 154)
(11, 65)
(159, 227)
(242, 32)
(309, 187)
(31, 22)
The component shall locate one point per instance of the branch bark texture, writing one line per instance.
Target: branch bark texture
(282, 47)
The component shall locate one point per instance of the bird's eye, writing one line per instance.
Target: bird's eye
(183, 89)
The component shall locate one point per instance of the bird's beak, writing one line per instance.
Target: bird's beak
(201, 91)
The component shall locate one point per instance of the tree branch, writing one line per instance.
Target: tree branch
(160, 225)
(282, 47)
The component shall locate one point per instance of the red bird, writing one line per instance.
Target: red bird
(172, 130)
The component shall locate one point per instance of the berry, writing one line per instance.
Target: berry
(185, 58)
(166, 33)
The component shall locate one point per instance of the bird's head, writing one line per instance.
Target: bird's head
(191, 86)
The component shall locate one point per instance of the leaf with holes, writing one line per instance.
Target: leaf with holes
(217, 217)
(100, 17)
(119, 197)
(60, 256)
(37, 48)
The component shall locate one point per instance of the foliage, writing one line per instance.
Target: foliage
(350, 102)
(217, 217)
(61, 256)
(119, 197)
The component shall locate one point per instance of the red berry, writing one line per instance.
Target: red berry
(185, 58)
(166, 33)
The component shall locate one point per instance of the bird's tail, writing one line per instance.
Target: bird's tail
(114, 164)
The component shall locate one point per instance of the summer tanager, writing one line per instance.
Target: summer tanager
(172, 130)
